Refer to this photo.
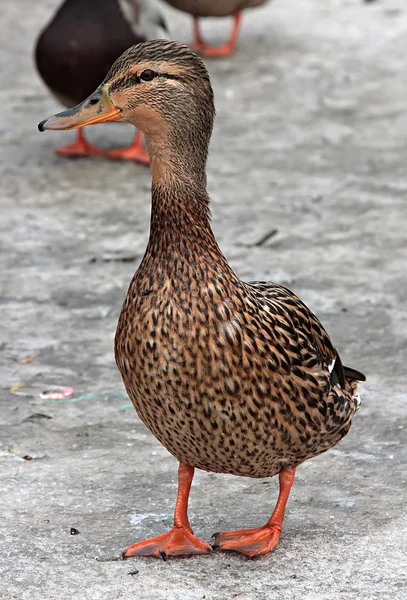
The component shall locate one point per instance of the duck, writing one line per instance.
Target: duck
(77, 47)
(215, 8)
(231, 377)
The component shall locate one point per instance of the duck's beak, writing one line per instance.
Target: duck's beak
(98, 108)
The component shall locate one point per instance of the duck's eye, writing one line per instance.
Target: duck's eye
(147, 75)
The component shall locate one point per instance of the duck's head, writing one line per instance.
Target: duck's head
(161, 87)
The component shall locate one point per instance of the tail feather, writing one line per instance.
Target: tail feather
(353, 374)
(340, 374)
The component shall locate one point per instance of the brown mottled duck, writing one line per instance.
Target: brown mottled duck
(79, 45)
(215, 8)
(231, 377)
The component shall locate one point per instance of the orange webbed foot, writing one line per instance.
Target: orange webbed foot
(260, 540)
(135, 152)
(250, 542)
(179, 541)
(209, 51)
(80, 148)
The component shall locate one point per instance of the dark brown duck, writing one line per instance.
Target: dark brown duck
(78, 46)
(231, 377)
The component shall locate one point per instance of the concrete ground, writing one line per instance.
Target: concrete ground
(310, 140)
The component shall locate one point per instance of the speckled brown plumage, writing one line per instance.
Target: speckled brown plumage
(231, 377)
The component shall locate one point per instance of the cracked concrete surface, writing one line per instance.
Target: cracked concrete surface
(310, 140)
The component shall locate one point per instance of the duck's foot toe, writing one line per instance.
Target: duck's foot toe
(134, 152)
(79, 149)
(250, 542)
(179, 541)
(209, 51)
(138, 155)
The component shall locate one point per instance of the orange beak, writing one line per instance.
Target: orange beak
(98, 108)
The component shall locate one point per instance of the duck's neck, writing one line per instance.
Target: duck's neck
(182, 247)
(180, 203)
(180, 215)
(180, 230)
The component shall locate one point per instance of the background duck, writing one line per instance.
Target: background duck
(231, 377)
(215, 8)
(78, 46)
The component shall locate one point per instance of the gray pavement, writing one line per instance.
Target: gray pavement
(310, 140)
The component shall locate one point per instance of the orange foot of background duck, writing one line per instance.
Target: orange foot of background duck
(205, 49)
(81, 148)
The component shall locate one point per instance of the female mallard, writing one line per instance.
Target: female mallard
(215, 8)
(77, 48)
(231, 377)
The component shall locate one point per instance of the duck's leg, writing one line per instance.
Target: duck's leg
(260, 540)
(198, 42)
(206, 49)
(180, 540)
(133, 152)
(80, 148)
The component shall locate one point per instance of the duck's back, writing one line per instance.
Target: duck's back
(77, 48)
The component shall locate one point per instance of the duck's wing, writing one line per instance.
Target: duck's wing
(145, 19)
(299, 322)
